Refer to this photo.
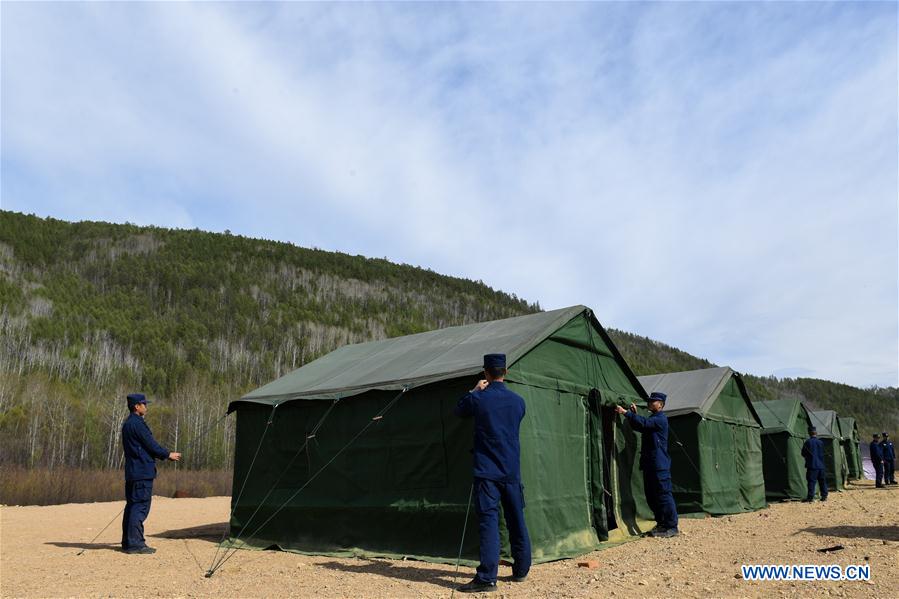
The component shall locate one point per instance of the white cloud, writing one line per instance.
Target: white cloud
(720, 177)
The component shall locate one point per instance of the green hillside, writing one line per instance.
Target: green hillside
(90, 311)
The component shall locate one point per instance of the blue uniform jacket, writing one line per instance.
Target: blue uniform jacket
(498, 413)
(876, 452)
(813, 452)
(889, 453)
(140, 449)
(654, 437)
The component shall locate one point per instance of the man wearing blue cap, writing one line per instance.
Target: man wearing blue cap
(813, 452)
(889, 460)
(141, 453)
(497, 413)
(655, 462)
(877, 460)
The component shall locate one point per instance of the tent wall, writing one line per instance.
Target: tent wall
(835, 464)
(402, 487)
(786, 425)
(684, 449)
(750, 467)
(827, 423)
(731, 468)
(850, 450)
(849, 432)
(716, 467)
(564, 368)
(717, 459)
(784, 467)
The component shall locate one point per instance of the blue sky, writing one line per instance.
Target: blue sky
(718, 176)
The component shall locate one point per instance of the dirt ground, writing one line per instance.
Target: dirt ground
(39, 549)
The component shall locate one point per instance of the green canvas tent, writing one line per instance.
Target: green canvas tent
(714, 442)
(312, 481)
(785, 424)
(827, 424)
(851, 439)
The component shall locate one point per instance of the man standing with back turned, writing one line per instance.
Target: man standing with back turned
(655, 462)
(889, 460)
(140, 470)
(497, 413)
(813, 452)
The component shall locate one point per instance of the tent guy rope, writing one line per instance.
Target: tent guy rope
(229, 553)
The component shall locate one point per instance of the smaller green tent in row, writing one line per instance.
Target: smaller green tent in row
(827, 424)
(785, 425)
(851, 439)
(714, 441)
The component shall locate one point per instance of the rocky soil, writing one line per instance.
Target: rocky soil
(40, 546)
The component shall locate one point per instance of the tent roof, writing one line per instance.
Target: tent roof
(826, 423)
(693, 391)
(415, 360)
(848, 427)
(779, 415)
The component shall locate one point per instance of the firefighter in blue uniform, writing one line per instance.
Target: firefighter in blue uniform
(655, 462)
(141, 453)
(497, 413)
(889, 460)
(813, 452)
(877, 460)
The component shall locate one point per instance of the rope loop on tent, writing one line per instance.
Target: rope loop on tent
(229, 553)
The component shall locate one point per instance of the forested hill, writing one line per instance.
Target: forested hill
(90, 311)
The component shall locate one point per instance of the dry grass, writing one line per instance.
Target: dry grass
(25, 486)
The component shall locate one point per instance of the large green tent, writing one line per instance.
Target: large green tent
(714, 442)
(785, 424)
(401, 487)
(827, 424)
(850, 442)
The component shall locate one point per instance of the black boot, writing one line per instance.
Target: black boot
(477, 586)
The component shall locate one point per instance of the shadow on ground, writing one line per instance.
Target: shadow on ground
(205, 532)
(87, 546)
(880, 533)
(407, 571)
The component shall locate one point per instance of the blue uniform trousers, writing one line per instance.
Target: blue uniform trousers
(812, 476)
(657, 487)
(889, 471)
(878, 473)
(138, 494)
(489, 494)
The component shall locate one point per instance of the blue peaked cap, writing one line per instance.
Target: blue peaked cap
(136, 398)
(658, 396)
(494, 360)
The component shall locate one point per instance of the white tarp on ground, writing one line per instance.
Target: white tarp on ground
(865, 451)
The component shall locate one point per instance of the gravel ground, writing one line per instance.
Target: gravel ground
(39, 547)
